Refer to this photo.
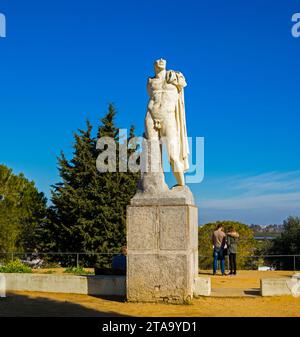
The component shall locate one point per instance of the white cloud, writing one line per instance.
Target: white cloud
(263, 198)
(291, 200)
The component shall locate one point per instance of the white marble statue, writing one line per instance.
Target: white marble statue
(162, 223)
(165, 118)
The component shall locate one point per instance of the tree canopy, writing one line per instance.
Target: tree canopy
(89, 208)
(288, 243)
(22, 211)
(246, 244)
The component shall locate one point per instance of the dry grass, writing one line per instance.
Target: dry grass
(245, 279)
(50, 304)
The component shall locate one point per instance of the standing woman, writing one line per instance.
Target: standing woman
(232, 242)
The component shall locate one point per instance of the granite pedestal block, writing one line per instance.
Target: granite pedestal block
(162, 240)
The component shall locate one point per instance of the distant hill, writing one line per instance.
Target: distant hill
(269, 229)
(268, 232)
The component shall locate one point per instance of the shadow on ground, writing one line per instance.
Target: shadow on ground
(205, 273)
(112, 298)
(17, 305)
(253, 292)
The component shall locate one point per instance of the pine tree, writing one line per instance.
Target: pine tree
(22, 211)
(89, 207)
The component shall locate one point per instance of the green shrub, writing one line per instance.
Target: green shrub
(77, 271)
(15, 266)
(246, 243)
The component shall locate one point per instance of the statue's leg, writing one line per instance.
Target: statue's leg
(153, 179)
(173, 146)
(150, 131)
(153, 143)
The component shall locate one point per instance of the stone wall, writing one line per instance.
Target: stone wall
(88, 285)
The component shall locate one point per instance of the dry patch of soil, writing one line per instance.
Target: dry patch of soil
(244, 279)
(51, 304)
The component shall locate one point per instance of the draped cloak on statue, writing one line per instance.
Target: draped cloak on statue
(176, 78)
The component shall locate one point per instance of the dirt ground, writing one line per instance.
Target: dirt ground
(244, 279)
(52, 304)
(62, 305)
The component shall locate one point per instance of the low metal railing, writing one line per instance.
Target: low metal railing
(74, 258)
(279, 261)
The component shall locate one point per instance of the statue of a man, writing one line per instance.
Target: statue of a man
(165, 118)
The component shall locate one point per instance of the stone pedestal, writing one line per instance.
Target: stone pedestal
(162, 240)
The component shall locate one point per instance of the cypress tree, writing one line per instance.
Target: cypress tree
(89, 207)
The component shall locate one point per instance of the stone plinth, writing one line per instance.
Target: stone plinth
(162, 240)
(279, 287)
(71, 284)
(202, 286)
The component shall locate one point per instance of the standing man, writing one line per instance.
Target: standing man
(232, 241)
(219, 241)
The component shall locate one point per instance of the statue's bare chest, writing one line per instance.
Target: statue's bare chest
(159, 84)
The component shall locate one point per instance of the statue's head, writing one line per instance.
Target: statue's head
(160, 65)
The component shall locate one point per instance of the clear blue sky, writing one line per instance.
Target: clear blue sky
(63, 61)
